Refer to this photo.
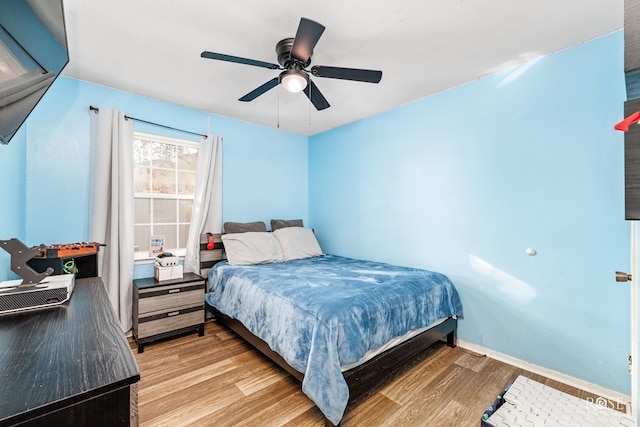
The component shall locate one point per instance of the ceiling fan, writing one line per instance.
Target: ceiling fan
(294, 56)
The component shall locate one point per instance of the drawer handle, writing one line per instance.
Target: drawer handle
(173, 291)
(173, 313)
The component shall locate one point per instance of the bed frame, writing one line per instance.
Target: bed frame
(366, 378)
(369, 376)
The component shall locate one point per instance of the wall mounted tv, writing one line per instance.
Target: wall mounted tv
(33, 52)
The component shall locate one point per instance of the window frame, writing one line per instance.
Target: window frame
(143, 255)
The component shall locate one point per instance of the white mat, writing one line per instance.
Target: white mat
(530, 403)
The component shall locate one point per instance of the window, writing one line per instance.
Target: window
(164, 184)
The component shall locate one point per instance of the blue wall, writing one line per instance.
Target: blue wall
(463, 182)
(264, 171)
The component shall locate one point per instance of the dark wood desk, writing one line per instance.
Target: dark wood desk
(69, 365)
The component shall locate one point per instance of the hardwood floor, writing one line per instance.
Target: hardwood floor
(219, 380)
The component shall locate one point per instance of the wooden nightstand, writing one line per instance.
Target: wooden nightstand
(167, 308)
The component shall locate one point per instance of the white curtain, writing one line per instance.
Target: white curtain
(206, 214)
(111, 206)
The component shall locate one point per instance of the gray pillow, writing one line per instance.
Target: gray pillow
(283, 223)
(244, 227)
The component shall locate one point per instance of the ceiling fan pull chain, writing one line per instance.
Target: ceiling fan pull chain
(278, 121)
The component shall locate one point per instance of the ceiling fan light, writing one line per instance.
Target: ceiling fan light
(294, 81)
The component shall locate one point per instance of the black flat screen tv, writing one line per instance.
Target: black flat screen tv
(33, 52)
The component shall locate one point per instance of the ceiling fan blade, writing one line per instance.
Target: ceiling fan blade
(238, 60)
(260, 90)
(308, 34)
(315, 96)
(369, 76)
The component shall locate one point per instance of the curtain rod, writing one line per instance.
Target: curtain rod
(96, 109)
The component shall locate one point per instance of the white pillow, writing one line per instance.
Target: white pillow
(252, 248)
(297, 242)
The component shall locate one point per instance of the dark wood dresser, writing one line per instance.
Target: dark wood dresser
(69, 365)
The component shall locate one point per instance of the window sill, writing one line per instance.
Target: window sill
(144, 258)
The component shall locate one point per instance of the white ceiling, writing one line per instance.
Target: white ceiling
(152, 48)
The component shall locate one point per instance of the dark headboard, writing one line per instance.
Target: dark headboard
(208, 258)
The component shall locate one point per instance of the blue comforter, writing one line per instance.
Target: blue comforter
(323, 312)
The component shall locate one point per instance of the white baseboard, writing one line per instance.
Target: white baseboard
(606, 393)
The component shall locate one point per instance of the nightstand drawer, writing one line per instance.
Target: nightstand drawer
(172, 320)
(170, 297)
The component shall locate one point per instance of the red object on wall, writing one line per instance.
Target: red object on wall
(624, 125)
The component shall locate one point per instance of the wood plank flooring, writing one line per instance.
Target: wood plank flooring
(219, 380)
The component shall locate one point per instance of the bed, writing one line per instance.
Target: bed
(339, 325)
